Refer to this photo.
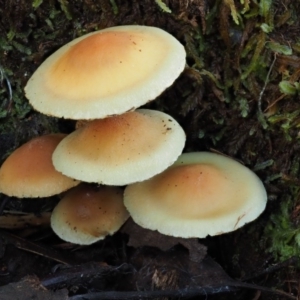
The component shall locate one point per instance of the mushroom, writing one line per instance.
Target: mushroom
(87, 214)
(106, 72)
(29, 172)
(201, 194)
(120, 150)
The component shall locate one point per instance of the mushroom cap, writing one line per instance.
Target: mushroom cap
(87, 214)
(120, 150)
(29, 172)
(106, 72)
(201, 194)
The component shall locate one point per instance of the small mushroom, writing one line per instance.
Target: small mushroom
(87, 214)
(106, 72)
(120, 150)
(201, 194)
(29, 172)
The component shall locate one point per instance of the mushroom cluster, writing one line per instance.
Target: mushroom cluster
(105, 76)
(102, 78)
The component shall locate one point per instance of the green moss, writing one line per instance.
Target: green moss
(283, 237)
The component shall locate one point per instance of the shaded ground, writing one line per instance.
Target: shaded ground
(239, 95)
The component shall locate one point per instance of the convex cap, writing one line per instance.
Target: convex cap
(87, 214)
(120, 150)
(106, 72)
(29, 172)
(201, 194)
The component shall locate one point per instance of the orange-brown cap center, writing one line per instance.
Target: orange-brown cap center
(96, 63)
(119, 138)
(93, 210)
(203, 191)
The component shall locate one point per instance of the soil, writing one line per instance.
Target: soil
(238, 96)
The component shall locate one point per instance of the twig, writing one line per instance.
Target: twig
(192, 292)
(8, 85)
(266, 83)
(3, 203)
(34, 248)
(274, 268)
(260, 112)
(10, 221)
(80, 272)
(116, 295)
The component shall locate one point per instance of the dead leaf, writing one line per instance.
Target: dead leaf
(140, 237)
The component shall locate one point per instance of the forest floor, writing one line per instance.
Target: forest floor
(238, 96)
